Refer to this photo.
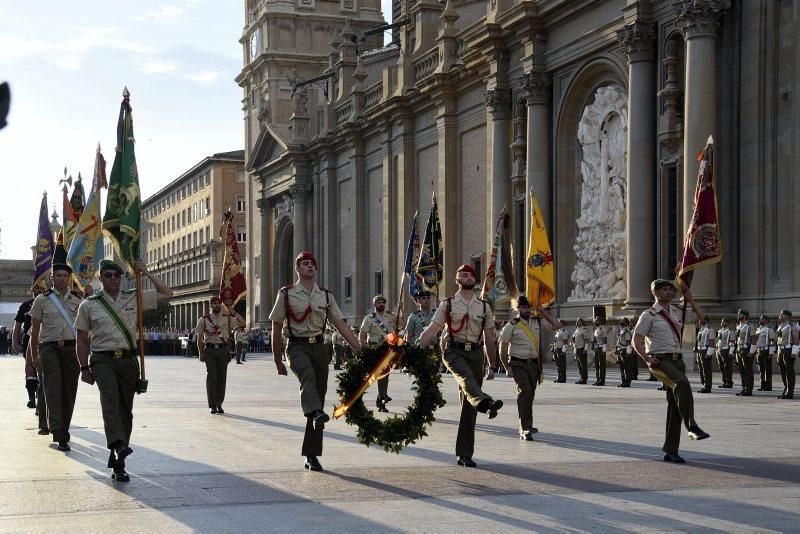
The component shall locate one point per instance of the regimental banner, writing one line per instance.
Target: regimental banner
(232, 286)
(70, 220)
(703, 245)
(430, 266)
(412, 258)
(86, 249)
(541, 289)
(44, 248)
(499, 285)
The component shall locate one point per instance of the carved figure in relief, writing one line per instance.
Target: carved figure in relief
(599, 271)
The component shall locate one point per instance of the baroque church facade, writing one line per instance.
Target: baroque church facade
(597, 106)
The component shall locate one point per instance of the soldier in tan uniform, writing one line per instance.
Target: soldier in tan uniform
(745, 352)
(581, 338)
(657, 340)
(53, 341)
(519, 352)
(470, 336)
(374, 328)
(725, 341)
(765, 350)
(600, 345)
(560, 344)
(624, 353)
(240, 337)
(706, 341)
(213, 345)
(110, 317)
(789, 347)
(301, 313)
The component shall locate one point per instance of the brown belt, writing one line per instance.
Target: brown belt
(309, 339)
(668, 356)
(60, 343)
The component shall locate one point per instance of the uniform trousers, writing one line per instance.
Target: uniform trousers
(41, 402)
(217, 358)
(765, 364)
(116, 381)
(600, 364)
(61, 370)
(467, 369)
(706, 370)
(583, 366)
(310, 363)
(786, 364)
(526, 376)
(698, 360)
(680, 403)
(241, 351)
(725, 367)
(746, 360)
(561, 364)
(383, 388)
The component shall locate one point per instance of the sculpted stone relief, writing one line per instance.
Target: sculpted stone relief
(599, 271)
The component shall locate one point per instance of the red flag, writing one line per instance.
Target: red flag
(703, 244)
(232, 287)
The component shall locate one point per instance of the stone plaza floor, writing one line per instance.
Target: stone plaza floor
(596, 464)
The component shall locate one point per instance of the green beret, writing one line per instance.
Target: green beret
(62, 267)
(744, 312)
(658, 283)
(106, 265)
(787, 313)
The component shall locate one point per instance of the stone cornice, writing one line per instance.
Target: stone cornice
(700, 18)
(637, 41)
(537, 87)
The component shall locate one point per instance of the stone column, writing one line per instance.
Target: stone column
(299, 193)
(699, 20)
(537, 86)
(637, 42)
(264, 268)
(498, 102)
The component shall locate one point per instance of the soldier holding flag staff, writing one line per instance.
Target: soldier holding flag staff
(374, 328)
(213, 337)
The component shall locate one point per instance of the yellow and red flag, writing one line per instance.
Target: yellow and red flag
(703, 245)
(233, 286)
(541, 288)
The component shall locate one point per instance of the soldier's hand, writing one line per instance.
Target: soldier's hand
(653, 362)
(141, 266)
(490, 374)
(86, 376)
(88, 291)
(202, 357)
(281, 368)
(509, 372)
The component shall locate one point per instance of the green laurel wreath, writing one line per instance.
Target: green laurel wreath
(397, 432)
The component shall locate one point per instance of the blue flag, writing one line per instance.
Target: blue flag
(44, 248)
(412, 257)
(430, 267)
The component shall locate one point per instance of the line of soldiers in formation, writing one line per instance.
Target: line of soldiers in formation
(99, 330)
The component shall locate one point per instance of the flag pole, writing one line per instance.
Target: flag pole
(140, 321)
(399, 314)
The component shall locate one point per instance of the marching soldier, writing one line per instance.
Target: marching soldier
(725, 343)
(657, 340)
(20, 337)
(213, 346)
(745, 352)
(110, 317)
(789, 346)
(560, 344)
(600, 345)
(519, 352)
(581, 337)
(469, 321)
(374, 329)
(624, 352)
(765, 349)
(53, 342)
(706, 340)
(301, 312)
(240, 337)
(420, 318)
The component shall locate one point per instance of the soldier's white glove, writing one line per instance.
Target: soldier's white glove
(752, 349)
(795, 350)
(710, 351)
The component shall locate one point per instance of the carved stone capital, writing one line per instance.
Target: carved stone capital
(498, 101)
(537, 87)
(637, 41)
(263, 205)
(300, 192)
(700, 18)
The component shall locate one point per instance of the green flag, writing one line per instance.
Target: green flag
(430, 265)
(123, 204)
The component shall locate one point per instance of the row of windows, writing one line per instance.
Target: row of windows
(178, 245)
(199, 210)
(188, 189)
(197, 271)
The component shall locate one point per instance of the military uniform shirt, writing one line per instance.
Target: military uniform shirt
(299, 301)
(724, 338)
(54, 327)
(659, 337)
(106, 336)
(743, 333)
(520, 345)
(374, 332)
(600, 337)
(479, 314)
(561, 339)
(24, 316)
(706, 337)
(418, 321)
(785, 335)
(581, 337)
(624, 338)
(240, 337)
(765, 337)
(220, 334)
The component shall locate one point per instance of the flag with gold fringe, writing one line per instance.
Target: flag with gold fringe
(232, 286)
(499, 285)
(703, 245)
(87, 245)
(541, 288)
(430, 266)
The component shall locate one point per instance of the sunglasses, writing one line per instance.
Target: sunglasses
(111, 274)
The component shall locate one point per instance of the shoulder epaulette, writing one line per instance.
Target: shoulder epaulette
(287, 287)
(47, 292)
(77, 293)
(128, 291)
(92, 297)
(323, 288)
(652, 311)
(515, 320)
